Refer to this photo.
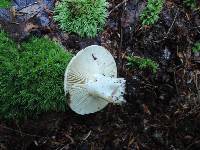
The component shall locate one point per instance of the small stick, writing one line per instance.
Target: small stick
(85, 138)
(171, 25)
(117, 6)
(166, 36)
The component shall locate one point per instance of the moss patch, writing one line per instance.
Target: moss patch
(86, 18)
(5, 3)
(31, 77)
(196, 47)
(142, 63)
(150, 14)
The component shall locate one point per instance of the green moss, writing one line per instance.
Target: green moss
(142, 63)
(5, 3)
(86, 18)
(190, 3)
(196, 47)
(31, 77)
(150, 14)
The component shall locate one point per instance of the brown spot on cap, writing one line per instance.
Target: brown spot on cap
(94, 57)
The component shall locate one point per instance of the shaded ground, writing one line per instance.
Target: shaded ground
(162, 111)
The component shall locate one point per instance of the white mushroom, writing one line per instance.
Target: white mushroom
(91, 81)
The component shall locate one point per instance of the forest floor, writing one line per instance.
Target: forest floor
(162, 110)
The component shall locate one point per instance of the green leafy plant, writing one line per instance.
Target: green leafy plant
(142, 63)
(5, 3)
(84, 17)
(31, 77)
(196, 47)
(190, 3)
(150, 14)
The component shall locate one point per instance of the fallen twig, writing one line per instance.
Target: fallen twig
(117, 6)
(69, 137)
(172, 24)
(169, 30)
(85, 138)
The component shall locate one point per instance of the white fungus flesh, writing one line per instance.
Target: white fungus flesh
(91, 81)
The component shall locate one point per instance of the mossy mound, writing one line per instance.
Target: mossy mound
(31, 77)
(86, 18)
(5, 3)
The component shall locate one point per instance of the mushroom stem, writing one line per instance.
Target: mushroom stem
(107, 88)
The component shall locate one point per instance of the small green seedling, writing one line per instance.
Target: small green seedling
(196, 47)
(150, 14)
(84, 17)
(31, 77)
(142, 63)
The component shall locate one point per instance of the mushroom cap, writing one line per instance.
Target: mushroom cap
(92, 60)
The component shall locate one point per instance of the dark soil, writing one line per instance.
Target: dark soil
(162, 110)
